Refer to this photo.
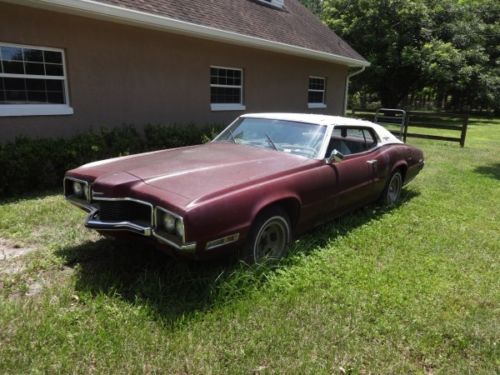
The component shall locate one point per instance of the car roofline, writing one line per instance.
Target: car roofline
(310, 118)
(385, 136)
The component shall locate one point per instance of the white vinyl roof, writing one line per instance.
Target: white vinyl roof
(385, 136)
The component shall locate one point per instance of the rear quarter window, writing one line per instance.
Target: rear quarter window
(352, 140)
(370, 139)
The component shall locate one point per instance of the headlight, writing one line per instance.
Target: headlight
(169, 222)
(78, 189)
(86, 192)
(169, 225)
(179, 228)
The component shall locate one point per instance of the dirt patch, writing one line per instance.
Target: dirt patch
(10, 250)
(10, 257)
(18, 283)
(34, 285)
(11, 262)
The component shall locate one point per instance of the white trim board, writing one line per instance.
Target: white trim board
(95, 9)
(13, 110)
(227, 107)
(316, 105)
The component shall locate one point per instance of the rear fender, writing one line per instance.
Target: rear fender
(401, 164)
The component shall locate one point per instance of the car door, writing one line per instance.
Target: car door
(356, 174)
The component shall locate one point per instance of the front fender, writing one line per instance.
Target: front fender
(233, 213)
(285, 198)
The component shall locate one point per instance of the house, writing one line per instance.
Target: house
(70, 65)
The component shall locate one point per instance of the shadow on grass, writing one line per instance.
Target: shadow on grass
(173, 288)
(30, 196)
(485, 120)
(492, 171)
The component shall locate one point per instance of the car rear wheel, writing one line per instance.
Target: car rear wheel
(269, 238)
(392, 191)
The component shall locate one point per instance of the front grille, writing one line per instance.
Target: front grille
(116, 211)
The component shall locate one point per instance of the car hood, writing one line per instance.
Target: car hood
(203, 171)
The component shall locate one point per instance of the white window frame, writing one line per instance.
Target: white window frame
(274, 3)
(229, 106)
(11, 110)
(316, 105)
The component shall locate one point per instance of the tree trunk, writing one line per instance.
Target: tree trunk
(389, 100)
(363, 100)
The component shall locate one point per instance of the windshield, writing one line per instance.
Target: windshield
(297, 138)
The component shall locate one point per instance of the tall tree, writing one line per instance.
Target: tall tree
(463, 58)
(391, 34)
(315, 6)
(450, 47)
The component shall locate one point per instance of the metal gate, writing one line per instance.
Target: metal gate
(388, 116)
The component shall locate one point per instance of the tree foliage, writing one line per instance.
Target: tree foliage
(450, 48)
(315, 6)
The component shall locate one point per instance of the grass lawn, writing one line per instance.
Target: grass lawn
(415, 289)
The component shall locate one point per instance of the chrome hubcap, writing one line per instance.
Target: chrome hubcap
(394, 189)
(271, 240)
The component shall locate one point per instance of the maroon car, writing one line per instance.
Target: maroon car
(265, 179)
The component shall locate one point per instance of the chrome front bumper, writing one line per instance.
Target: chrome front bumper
(93, 223)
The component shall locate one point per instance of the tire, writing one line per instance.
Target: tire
(269, 238)
(392, 192)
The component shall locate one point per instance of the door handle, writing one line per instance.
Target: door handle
(372, 162)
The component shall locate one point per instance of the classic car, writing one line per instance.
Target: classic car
(263, 180)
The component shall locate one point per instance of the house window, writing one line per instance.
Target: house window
(316, 92)
(226, 89)
(32, 81)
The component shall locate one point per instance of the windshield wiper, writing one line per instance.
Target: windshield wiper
(271, 141)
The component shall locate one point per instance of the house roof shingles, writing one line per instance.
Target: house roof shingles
(293, 25)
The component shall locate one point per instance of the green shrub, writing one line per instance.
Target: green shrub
(30, 165)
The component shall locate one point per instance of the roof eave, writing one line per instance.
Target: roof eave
(115, 13)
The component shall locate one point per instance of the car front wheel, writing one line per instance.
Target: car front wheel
(269, 238)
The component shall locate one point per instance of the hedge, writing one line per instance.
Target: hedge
(31, 165)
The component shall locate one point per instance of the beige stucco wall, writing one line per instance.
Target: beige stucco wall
(120, 74)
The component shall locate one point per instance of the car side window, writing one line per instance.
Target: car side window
(370, 140)
(351, 140)
(356, 134)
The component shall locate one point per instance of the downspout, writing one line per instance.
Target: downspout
(349, 76)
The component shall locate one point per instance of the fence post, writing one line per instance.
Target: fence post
(407, 120)
(402, 126)
(464, 129)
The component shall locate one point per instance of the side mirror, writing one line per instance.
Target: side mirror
(335, 156)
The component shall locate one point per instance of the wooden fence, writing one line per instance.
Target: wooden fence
(407, 121)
